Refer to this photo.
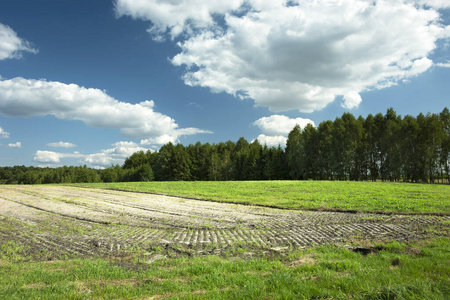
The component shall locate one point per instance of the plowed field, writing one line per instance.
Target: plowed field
(55, 221)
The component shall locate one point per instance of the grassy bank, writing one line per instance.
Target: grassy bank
(389, 271)
(361, 196)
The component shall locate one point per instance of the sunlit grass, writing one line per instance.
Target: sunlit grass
(391, 271)
(361, 196)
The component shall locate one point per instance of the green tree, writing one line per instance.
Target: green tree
(325, 153)
(444, 157)
(112, 174)
(391, 139)
(411, 154)
(310, 137)
(240, 159)
(276, 165)
(294, 153)
(173, 163)
(371, 146)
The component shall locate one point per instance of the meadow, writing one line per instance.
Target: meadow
(331, 195)
(54, 241)
(392, 271)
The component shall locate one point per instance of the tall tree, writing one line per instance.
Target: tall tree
(435, 135)
(311, 148)
(371, 142)
(325, 153)
(294, 153)
(444, 159)
(391, 139)
(410, 153)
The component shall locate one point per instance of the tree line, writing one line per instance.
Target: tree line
(381, 147)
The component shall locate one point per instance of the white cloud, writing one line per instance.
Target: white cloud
(175, 17)
(272, 141)
(11, 46)
(15, 145)
(161, 140)
(61, 145)
(3, 134)
(276, 129)
(47, 156)
(124, 149)
(280, 125)
(438, 4)
(54, 157)
(101, 159)
(113, 156)
(444, 65)
(296, 56)
(28, 97)
(105, 158)
(351, 100)
(50, 165)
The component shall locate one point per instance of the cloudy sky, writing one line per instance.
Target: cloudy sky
(91, 82)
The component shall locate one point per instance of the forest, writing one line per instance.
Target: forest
(379, 147)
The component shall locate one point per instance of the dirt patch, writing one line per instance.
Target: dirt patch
(59, 221)
(37, 285)
(198, 292)
(305, 260)
(82, 287)
(115, 282)
(413, 251)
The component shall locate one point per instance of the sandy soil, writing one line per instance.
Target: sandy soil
(81, 221)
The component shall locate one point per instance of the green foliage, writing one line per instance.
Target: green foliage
(295, 152)
(381, 147)
(33, 175)
(386, 147)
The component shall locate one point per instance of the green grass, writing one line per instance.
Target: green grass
(361, 196)
(393, 271)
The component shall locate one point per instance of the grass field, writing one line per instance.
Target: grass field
(47, 233)
(360, 196)
(390, 271)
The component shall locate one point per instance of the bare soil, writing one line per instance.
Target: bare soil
(58, 221)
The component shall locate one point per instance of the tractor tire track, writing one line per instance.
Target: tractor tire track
(89, 222)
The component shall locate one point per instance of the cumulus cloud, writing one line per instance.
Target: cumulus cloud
(11, 46)
(175, 17)
(296, 54)
(272, 141)
(15, 145)
(438, 4)
(113, 156)
(3, 134)
(22, 97)
(54, 157)
(277, 127)
(351, 100)
(280, 125)
(104, 158)
(160, 140)
(61, 145)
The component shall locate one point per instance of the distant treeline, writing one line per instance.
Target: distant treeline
(381, 147)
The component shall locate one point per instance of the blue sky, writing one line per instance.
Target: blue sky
(90, 82)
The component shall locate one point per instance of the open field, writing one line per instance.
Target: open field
(112, 244)
(331, 195)
(394, 271)
(65, 220)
